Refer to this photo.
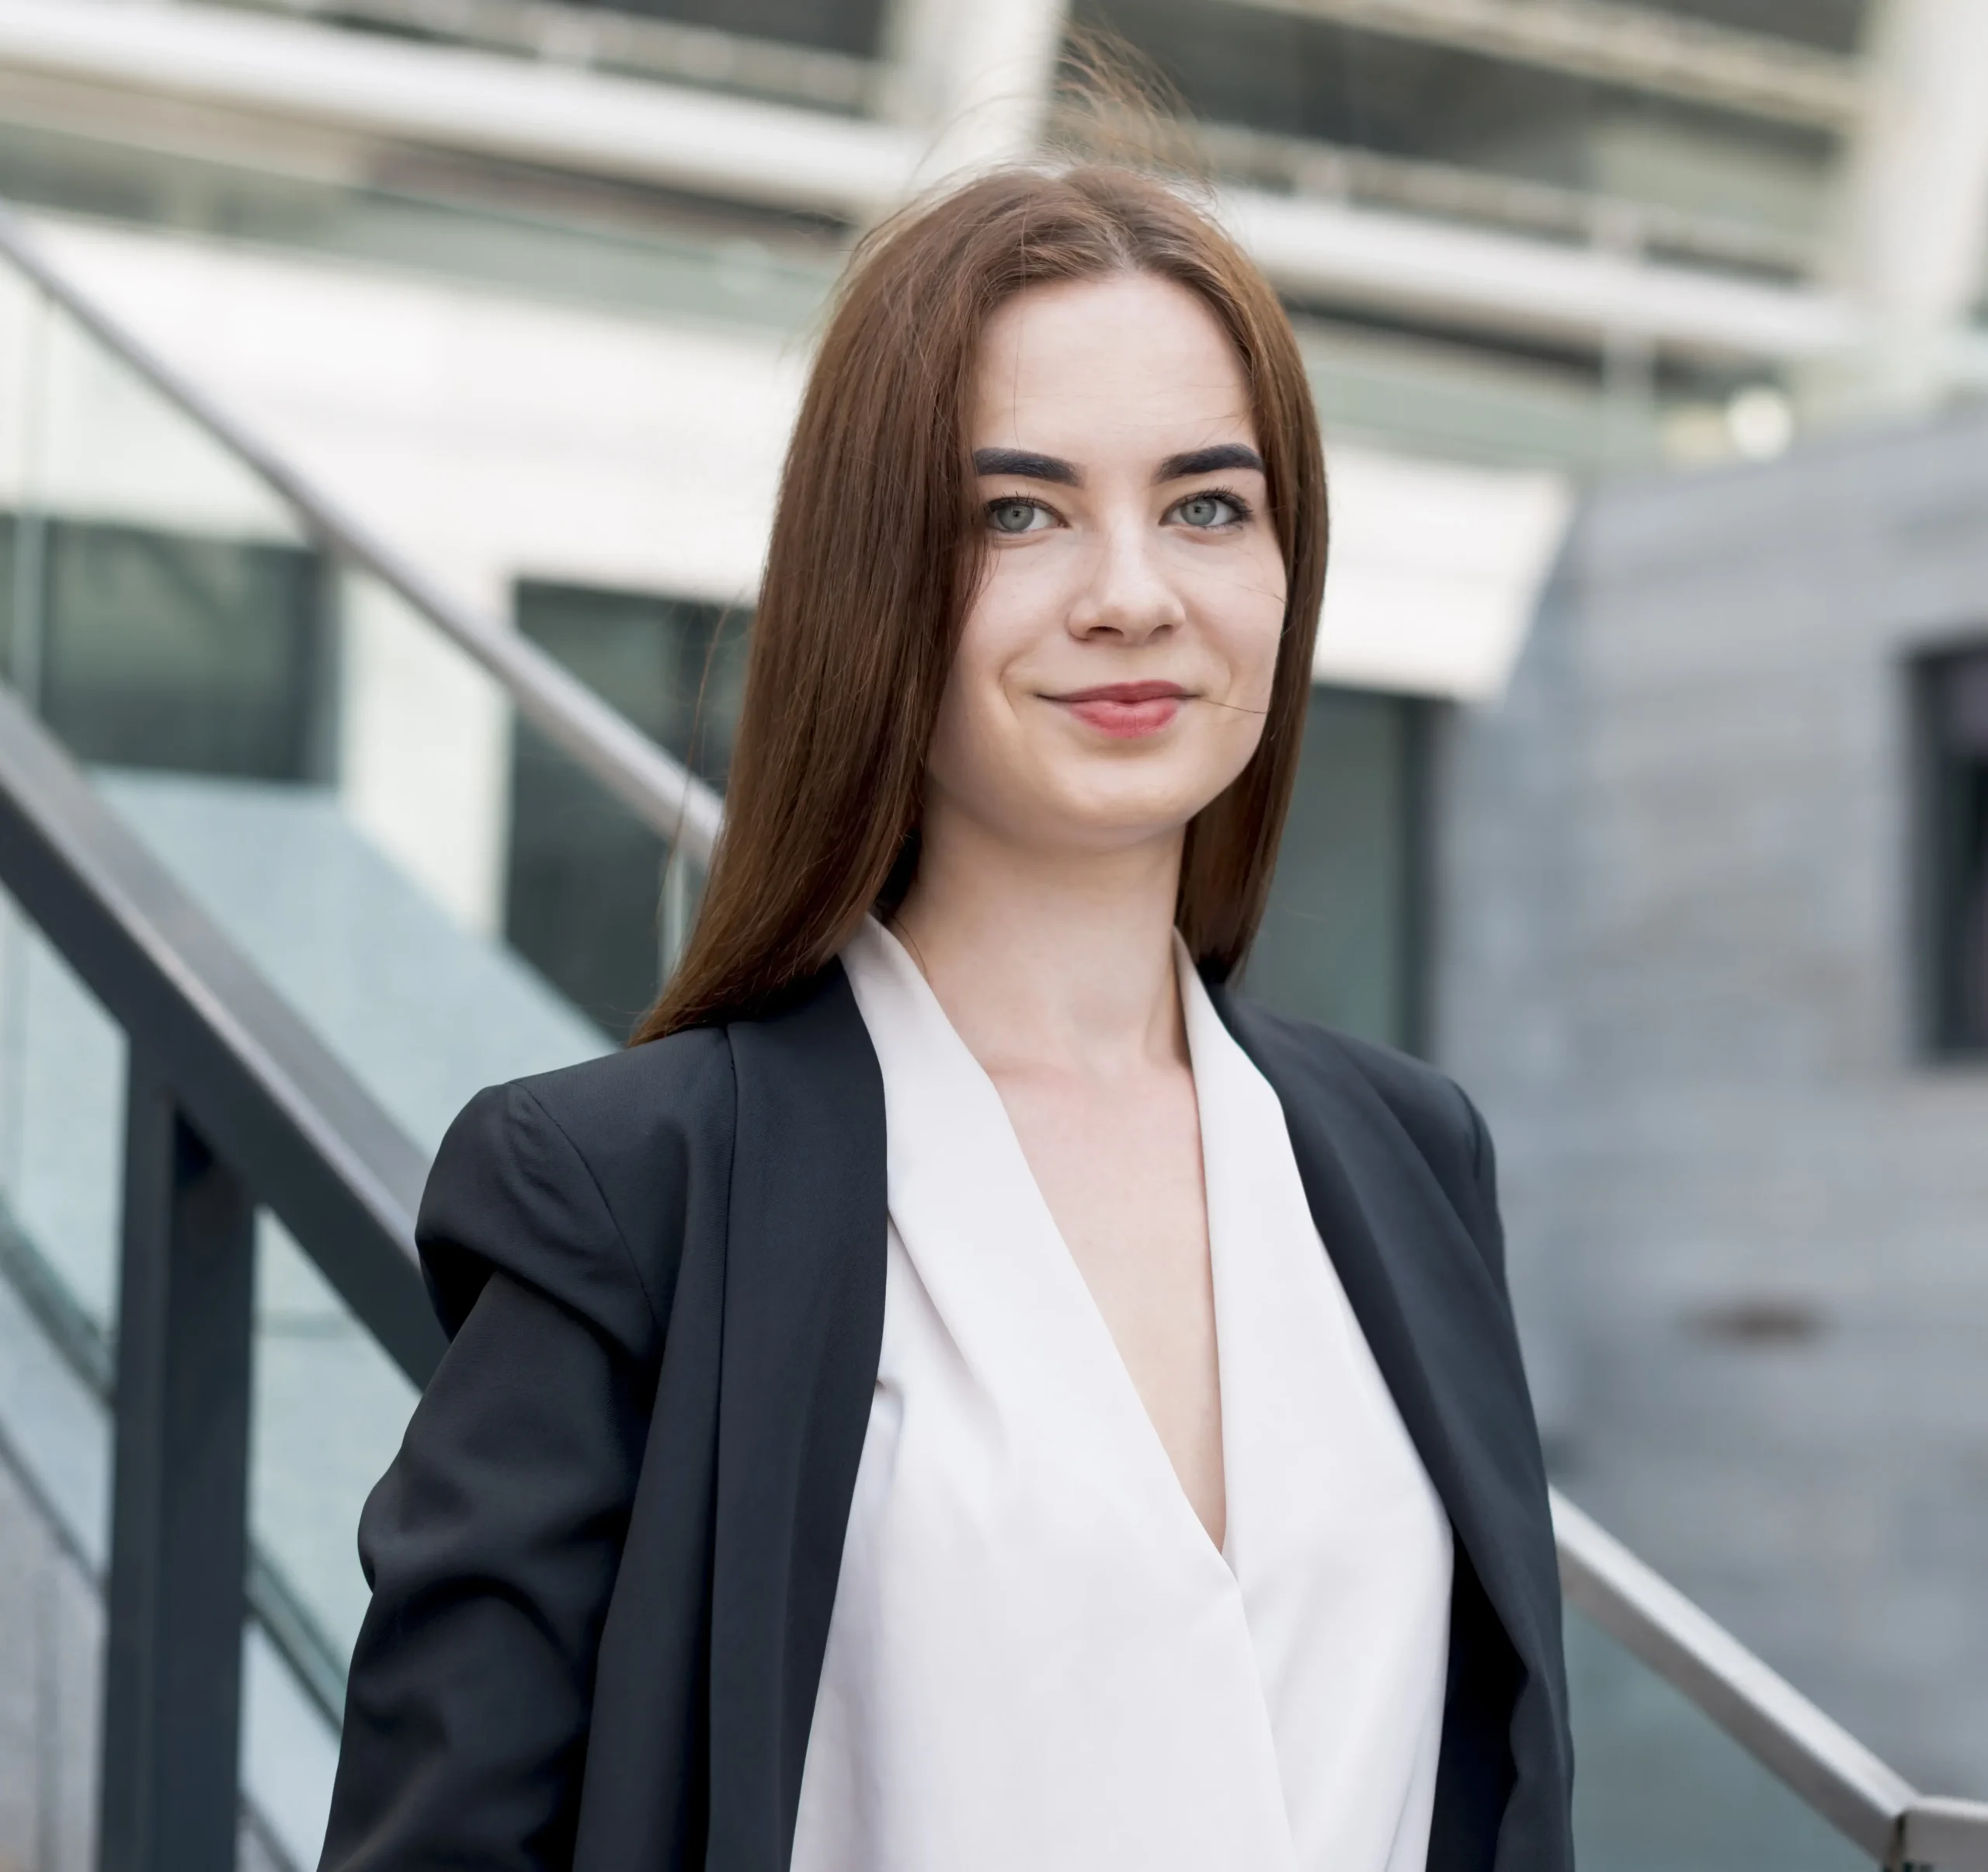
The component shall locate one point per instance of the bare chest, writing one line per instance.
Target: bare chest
(1120, 1172)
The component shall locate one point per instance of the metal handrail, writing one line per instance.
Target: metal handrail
(658, 789)
(1821, 1762)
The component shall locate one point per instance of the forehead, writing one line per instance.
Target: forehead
(1131, 362)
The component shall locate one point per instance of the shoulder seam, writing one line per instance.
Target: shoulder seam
(1471, 1129)
(600, 1196)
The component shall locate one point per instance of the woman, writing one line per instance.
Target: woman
(965, 1391)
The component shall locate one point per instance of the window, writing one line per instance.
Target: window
(150, 649)
(585, 880)
(1342, 938)
(1954, 848)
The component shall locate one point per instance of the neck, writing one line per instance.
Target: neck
(1056, 960)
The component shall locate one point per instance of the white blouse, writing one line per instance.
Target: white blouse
(1037, 1657)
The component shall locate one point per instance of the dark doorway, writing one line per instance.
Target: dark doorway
(1342, 940)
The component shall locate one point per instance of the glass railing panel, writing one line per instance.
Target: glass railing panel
(61, 1133)
(584, 871)
(330, 1408)
(84, 440)
(1660, 1788)
(591, 892)
(375, 899)
(442, 893)
(62, 1077)
(343, 786)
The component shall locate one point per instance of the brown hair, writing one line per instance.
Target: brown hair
(875, 556)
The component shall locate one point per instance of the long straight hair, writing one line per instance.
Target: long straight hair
(875, 556)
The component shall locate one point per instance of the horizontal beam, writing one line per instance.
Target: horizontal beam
(737, 149)
(1637, 47)
(734, 147)
(1529, 287)
(1452, 192)
(571, 34)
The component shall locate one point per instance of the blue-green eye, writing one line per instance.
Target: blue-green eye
(1014, 515)
(1211, 509)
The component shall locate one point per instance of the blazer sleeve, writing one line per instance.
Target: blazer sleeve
(1481, 1210)
(491, 1544)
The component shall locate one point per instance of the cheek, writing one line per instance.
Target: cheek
(949, 759)
(1244, 616)
(968, 731)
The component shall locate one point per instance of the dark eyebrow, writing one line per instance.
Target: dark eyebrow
(1208, 461)
(1021, 462)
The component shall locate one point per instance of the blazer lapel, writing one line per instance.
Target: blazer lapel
(1438, 1323)
(803, 1320)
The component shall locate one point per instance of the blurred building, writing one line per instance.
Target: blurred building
(1647, 785)
(1716, 874)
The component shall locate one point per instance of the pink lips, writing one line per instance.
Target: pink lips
(1126, 710)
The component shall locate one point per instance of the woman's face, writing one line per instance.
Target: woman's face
(1114, 668)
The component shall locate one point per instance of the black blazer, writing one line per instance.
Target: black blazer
(603, 1561)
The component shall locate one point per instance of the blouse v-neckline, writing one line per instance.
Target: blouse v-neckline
(1037, 1653)
(993, 1149)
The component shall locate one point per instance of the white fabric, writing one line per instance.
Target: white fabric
(1037, 1657)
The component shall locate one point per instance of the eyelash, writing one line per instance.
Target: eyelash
(1243, 510)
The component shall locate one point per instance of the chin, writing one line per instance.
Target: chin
(1110, 816)
(1159, 788)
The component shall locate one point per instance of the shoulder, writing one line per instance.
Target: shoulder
(1429, 1105)
(583, 1181)
(623, 1111)
(1306, 1061)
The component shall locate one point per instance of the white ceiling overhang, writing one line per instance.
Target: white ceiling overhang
(1436, 572)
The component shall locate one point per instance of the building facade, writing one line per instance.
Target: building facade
(1712, 880)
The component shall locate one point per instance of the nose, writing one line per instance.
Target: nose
(1128, 596)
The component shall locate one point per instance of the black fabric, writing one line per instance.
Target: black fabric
(1475, 1771)
(603, 1561)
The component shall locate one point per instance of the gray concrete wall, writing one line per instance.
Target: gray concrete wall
(1750, 1224)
